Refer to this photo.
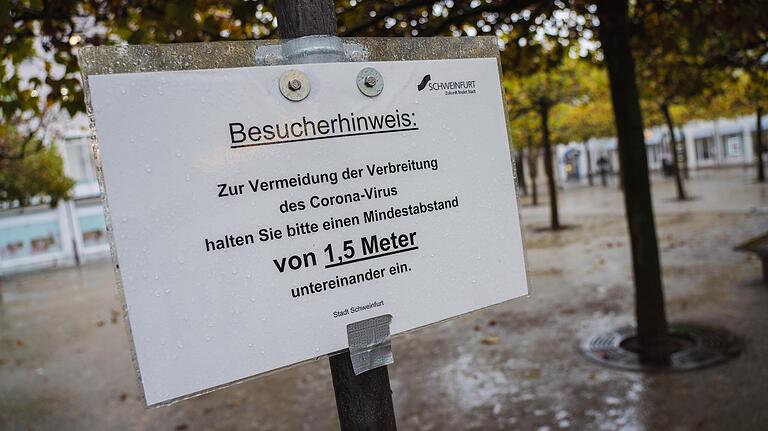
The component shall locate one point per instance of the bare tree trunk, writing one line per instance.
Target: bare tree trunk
(650, 312)
(554, 218)
(533, 170)
(681, 196)
(299, 18)
(364, 401)
(759, 146)
(519, 172)
(589, 163)
(684, 154)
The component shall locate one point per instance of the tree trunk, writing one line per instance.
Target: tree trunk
(299, 18)
(649, 295)
(554, 218)
(759, 146)
(589, 163)
(364, 401)
(519, 172)
(684, 154)
(620, 178)
(675, 153)
(533, 171)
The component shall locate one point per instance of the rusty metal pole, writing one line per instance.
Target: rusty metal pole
(364, 402)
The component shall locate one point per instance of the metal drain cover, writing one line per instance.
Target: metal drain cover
(708, 347)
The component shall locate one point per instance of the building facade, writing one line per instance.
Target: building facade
(707, 144)
(38, 236)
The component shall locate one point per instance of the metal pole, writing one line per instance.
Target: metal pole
(364, 402)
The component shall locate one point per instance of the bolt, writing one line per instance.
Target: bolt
(294, 85)
(370, 81)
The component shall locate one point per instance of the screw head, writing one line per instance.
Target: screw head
(294, 85)
(370, 82)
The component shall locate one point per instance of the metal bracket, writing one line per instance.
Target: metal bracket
(310, 49)
(370, 345)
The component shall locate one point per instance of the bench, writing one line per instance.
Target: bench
(759, 246)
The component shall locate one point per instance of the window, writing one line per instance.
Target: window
(29, 239)
(733, 145)
(80, 165)
(705, 148)
(93, 229)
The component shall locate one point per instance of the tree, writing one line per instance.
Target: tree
(752, 91)
(650, 311)
(712, 39)
(522, 128)
(30, 170)
(671, 69)
(47, 36)
(539, 93)
(50, 34)
(590, 116)
(746, 93)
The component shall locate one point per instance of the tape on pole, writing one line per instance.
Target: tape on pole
(370, 344)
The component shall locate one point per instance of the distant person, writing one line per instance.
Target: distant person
(666, 166)
(603, 166)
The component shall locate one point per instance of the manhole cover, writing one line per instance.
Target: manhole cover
(700, 347)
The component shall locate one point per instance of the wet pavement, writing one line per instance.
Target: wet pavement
(65, 361)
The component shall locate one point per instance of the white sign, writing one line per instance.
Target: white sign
(250, 229)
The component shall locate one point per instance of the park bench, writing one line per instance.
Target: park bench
(759, 246)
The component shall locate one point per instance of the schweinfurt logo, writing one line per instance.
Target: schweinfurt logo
(424, 82)
(449, 88)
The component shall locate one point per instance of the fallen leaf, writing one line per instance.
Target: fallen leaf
(181, 427)
(489, 340)
(115, 315)
(99, 323)
(19, 342)
(532, 373)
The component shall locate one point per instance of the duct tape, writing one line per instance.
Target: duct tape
(370, 344)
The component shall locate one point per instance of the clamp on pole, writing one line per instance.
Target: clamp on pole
(310, 49)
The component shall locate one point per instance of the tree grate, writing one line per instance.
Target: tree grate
(703, 347)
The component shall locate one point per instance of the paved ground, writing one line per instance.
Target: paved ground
(65, 362)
